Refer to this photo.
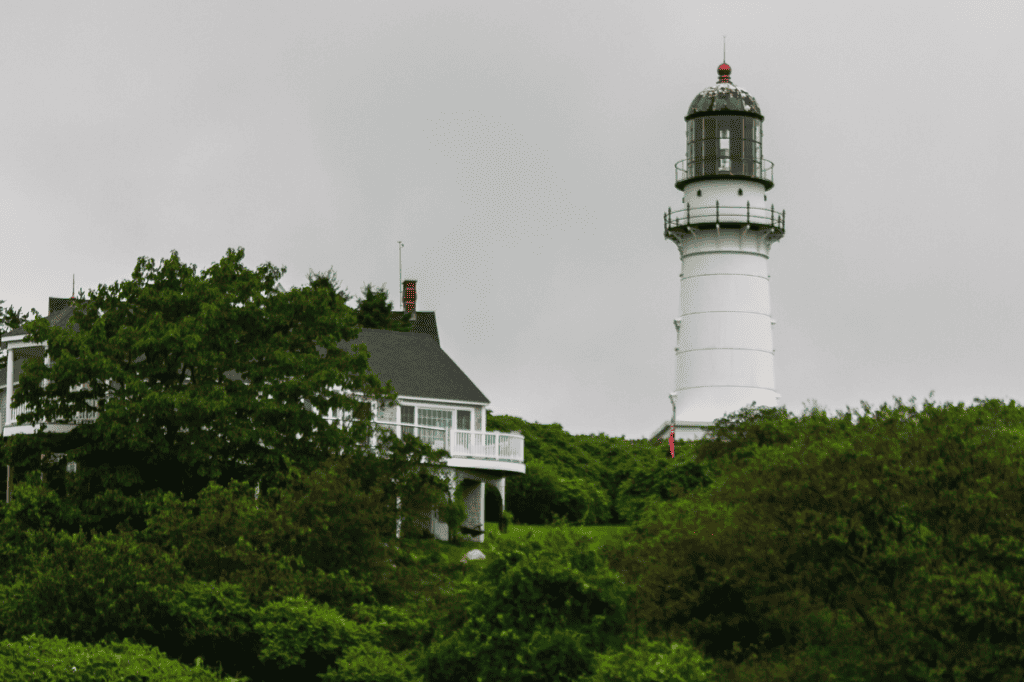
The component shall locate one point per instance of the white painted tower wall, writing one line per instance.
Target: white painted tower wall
(724, 351)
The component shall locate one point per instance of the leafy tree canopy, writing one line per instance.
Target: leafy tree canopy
(195, 376)
(11, 318)
(540, 610)
(593, 478)
(374, 311)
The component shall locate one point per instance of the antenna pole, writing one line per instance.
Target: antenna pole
(72, 285)
(400, 245)
(723, 49)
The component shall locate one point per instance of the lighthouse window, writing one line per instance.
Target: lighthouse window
(724, 163)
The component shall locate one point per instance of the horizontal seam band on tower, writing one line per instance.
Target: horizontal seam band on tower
(745, 253)
(758, 350)
(724, 274)
(743, 312)
(763, 388)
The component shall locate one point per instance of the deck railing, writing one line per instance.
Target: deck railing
(84, 417)
(486, 445)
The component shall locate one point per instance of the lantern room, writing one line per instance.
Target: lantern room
(723, 136)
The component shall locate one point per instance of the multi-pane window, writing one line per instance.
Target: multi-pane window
(408, 414)
(441, 419)
(464, 421)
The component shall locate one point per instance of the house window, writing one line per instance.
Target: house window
(441, 419)
(464, 421)
(408, 417)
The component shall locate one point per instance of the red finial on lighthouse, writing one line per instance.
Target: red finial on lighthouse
(723, 73)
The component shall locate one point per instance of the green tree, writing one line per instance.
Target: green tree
(542, 609)
(11, 318)
(656, 480)
(328, 281)
(195, 376)
(374, 311)
(36, 658)
(652, 661)
(885, 544)
(453, 513)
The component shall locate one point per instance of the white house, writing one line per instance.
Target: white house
(436, 402)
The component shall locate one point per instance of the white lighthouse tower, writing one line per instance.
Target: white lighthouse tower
(724, 230)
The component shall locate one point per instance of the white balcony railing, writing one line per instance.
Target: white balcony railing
(490, 445)
(79, 418)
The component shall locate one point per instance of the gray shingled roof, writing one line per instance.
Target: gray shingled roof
(415, 365)
(425, 323)
(59, 315)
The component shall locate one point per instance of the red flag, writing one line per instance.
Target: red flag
(672, 441)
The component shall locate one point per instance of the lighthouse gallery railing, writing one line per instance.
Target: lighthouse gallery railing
(710, 216)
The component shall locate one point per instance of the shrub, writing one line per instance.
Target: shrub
(453, 513)
(367, 662)
(304, 539)
(652, 661)
(297, 633)
(899, 527)
(89, 588)
(657, 480)
(540, 609)
(42, 659)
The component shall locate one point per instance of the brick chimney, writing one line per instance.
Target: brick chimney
(409, 297)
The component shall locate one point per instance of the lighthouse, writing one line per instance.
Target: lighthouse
(724, 229)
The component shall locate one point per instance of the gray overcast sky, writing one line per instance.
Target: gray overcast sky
(524, 153)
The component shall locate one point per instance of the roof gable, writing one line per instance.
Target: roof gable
(415, 365)
(425, 323)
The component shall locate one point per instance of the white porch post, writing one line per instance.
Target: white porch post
(398, 522)
(10, 385)
(453, 485)
(482, 496)
(7, 412)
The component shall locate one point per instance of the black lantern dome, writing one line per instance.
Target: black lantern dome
(724, 96)
(723, 135)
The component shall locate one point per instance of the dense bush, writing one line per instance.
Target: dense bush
(38, 659)
(653, 481)
(223, 576)
(541, 609)
(652, 661)
(584, 479)
(310, 537)
(881, 544)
